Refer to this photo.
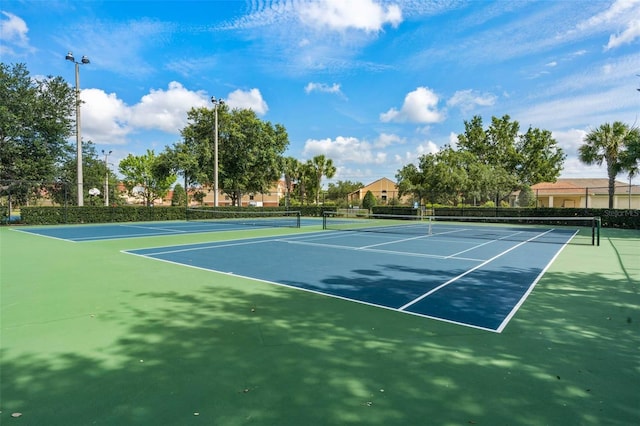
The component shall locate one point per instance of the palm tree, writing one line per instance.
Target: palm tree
(630, 157)
(291, 172)
(606, 144)
(322, 167)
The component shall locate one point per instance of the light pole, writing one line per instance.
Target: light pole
(106, 177)
(216, 104)
(83, 61)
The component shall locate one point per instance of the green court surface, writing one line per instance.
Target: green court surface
(91, 335)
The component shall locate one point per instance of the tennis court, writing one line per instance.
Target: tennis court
(478, 278)
(440, 323)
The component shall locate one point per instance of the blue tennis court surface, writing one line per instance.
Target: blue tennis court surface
(474, 281)
(134, 230)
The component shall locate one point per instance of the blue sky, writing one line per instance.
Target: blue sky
(372, 84)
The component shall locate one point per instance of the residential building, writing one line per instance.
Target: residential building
(385, 190)
(271, 198)
(587, 193)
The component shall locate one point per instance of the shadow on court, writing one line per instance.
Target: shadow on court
(235, 356)
(93, 336)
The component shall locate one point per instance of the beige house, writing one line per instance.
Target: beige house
(270, 198)
(383, 189)
(267, 199)
(585, 193)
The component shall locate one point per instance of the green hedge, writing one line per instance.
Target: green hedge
(101, 214)
(610, 218)
(97, 214)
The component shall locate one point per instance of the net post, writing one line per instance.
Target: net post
(593, 231)
(298, 214)
(598, 226)
(324, 220)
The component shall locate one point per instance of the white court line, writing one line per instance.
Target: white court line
(488, 242)
(454, 279)
(394, 252)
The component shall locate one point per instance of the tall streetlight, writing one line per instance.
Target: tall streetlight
(216, 104)
(106, 177)
(83, 61)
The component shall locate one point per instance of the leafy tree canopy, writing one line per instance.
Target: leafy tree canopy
(35, 123)
(341, 189)
(145, 176)
(369, 200)
(249, 150)
(487, 165)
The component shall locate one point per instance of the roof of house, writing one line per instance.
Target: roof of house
(598, 186)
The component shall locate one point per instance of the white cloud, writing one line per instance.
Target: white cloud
(570, 140)
(340, 15)
(627, 36)
(251, 99)
(105, 118)
(453, 139)
(623, 16)
(407, 157)
(386, 139)
(323, 87)
(165, 109)
(13, 31)
(591, 109)
(108, 120)
(420, 106)
(467, 100)
(574, 168)
(344, 150)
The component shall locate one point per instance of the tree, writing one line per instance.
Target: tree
(35, 123)
(630, 157)
(369, 200)
(411, 182)
(527, 198)
(514, 159)
(252, 154)
(182, 159)
(144, 177)
(94, 171)
(321, 166)
(306, 182)
(179, 196)
(291, 167)
(339, 191)
(249, 152)
(539, 158)
(606, 145)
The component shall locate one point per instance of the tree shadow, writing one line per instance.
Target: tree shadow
(206, 348)
(228, 356)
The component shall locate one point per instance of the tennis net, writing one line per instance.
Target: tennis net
(579, 230)
(286, 219)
